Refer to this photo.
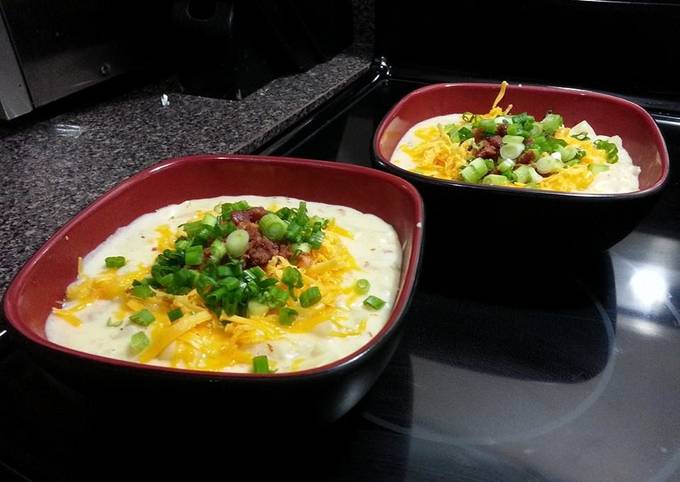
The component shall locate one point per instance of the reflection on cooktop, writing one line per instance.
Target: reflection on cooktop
(534, 346)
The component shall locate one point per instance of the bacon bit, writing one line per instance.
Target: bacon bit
(478, 134)
(527, 157)
(304, 260)
(249, 215)
(496, 141)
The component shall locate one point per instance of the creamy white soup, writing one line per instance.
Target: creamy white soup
(236, 284)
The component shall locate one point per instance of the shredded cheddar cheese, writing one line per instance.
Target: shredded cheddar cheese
(202, 340)
(435, 154)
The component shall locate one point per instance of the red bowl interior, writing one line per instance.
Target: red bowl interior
(608, 115)
(42, 282)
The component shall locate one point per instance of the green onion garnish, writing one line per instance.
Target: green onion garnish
(115, 261)
(362, 286)
(581, 137)
(141, 290)
(292, 278)
(374, 302)
(138, 342)
(193, 255)
(495, 180)
(512, 150)
(175, 314)
(261, 364)
(487, 125)
(237, 243)
(598, 168)
(610, 148)
(551, 123)
(112, 322)
(310, 297)
(218, 249)
(522, 173)
(509, 139)
(143, 317)
(287, 316)
(549, 165)
(255, 308)
(464, 134)
(273, 226)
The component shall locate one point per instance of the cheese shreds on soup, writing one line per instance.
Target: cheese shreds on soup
(516, 150)
(235, 284)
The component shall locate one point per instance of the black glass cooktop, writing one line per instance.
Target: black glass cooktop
(568, 372)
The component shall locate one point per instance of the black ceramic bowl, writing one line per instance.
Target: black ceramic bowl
(509, 219)
(320, 394)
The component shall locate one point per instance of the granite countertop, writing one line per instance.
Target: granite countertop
(53, 168)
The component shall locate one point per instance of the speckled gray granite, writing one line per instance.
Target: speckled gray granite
(47, 178)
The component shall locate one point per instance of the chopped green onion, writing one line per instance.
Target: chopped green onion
(138, 342)
(495, 180)
(548, 165)
(228, 208)
(192, 229)
(261, 364)
(362, 286)
(193, 255)
(230, 283)
(175, 314)
(610, 148)
(143, 317)
(182, 244)
(510, 175)
(292, 278)
(275, 297)
(511, 151)
(142, 290)
(209, 220)
(255, 308)
(273, 226)
(487, 125)
(536, 130)
(237, 243)
(218, 249)
(508, 139)
(479, 166)
(582, 136)
(114, 323)
(516, 130)
(287, 316)
(464, 134)
(534, 176)
(598, 168)
(310, 297)
(506, 165)
(522, 173)
(551, 122)
(568, 153)
(301, 248)
(115, 261)
(254, 274)
(469, 174)
(374, 302)
(222, 230)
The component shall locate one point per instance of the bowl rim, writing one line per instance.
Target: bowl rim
(395, 319)
(597, 197)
